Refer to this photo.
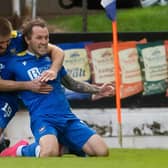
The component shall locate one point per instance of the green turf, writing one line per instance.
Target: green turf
(119, 158)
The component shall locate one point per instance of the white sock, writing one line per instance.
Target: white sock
(37, 151)
(19, 150)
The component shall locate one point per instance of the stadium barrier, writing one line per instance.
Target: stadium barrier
(135, 101)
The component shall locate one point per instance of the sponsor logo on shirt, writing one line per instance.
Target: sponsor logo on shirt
(33, 73)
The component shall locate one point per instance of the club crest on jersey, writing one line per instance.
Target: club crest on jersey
(13, 51)
(24, 63)
(2, 66)
(47, 59)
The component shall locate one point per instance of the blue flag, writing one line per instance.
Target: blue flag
(110, 7)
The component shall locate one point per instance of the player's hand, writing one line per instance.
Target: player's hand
(106, 90)
(48, 75)
(38, 86)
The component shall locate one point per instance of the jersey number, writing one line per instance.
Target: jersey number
(7, 109)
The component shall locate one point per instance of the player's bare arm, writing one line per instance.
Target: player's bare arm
(34, 86)
(98, 92)
(78, 86)
(57, 56)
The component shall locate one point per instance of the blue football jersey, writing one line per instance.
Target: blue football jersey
(29, 67)
(16, 45)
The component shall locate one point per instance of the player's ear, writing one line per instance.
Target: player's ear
(26, 40)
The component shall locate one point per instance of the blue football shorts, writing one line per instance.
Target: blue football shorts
(73, 133)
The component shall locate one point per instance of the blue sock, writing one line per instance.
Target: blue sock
(31, 150)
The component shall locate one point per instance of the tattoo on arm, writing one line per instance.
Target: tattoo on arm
(78, 86)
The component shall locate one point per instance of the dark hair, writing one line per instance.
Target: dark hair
(5, 27)
(28, 26)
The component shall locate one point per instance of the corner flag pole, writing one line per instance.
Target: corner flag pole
(110, 8)
(117, 79)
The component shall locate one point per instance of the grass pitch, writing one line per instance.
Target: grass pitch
(118, 158)
(149, 19)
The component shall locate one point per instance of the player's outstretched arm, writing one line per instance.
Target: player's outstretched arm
(98, 91)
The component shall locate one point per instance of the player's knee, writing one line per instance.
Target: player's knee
(96, 146)
(49, 146)
(103, 152)
(49, 152)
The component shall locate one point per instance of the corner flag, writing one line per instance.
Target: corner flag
(110, 7)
